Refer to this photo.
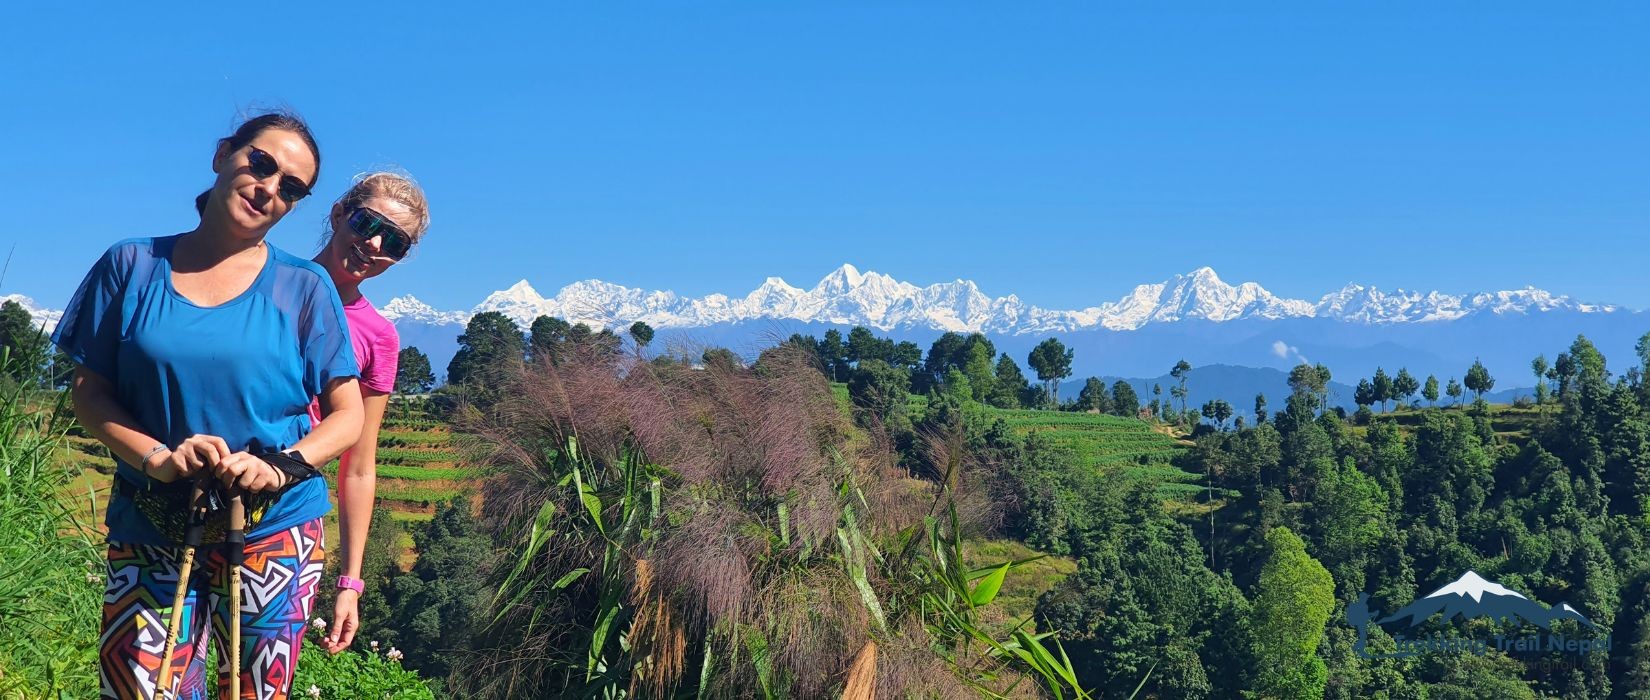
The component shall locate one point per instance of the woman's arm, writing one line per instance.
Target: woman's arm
(357, 489)
(340, 427)
(108, 421)
(357, 483)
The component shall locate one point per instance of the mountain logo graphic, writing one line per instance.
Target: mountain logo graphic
(1466, 598)
(1471, 596)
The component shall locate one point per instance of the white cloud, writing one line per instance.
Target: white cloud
(1285, 351)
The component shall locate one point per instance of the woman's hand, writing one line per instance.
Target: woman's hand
(248, 473)
(196, 453)
(346, 619)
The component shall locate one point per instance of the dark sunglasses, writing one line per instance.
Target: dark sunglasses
(262, 165)
(367, 223)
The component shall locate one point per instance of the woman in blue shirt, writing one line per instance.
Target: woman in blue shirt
(194, 353)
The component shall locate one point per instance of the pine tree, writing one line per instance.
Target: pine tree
(1009, 384)
(491, 343)
(412, 372)
(546, 337)
(1124, 402)
(1404, 386)
(834, 355)
(641, 333)
(1093, 397)
(1180, 371)
(1364, 393)
(1052, 362)
(1382, 385)
(1479, 379)
(1539, 367)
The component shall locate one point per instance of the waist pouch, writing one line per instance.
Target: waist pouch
(166, 505)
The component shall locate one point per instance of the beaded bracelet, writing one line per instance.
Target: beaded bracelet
(143, 464)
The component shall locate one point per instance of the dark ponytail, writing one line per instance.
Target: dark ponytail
(249, 129)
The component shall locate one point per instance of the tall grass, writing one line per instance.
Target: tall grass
(726, 532)
(50, 563)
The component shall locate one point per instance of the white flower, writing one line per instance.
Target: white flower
(375, 645)
(319, 623)
(314, 691)
(393, 654)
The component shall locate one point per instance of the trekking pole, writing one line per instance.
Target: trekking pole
(235, 541)
(191, 539)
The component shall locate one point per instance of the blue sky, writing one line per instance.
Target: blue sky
(1063, 153)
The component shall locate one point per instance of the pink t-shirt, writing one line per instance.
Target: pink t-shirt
(377, 349)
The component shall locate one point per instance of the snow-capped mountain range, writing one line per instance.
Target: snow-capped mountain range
(847, 296)
(1195, 316)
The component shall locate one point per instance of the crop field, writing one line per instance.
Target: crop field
(417, 468)
(1513, 423)
(1112, 443)
(1127, 445)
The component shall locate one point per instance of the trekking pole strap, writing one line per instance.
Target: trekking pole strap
(291, 464)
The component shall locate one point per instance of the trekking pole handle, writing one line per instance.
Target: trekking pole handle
(234, 539)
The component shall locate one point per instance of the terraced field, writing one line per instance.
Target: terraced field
(1134, 447)
(417, 468)
(1110, 443)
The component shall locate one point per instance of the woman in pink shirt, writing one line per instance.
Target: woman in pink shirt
(373, 226)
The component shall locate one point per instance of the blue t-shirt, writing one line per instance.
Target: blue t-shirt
(243, 370)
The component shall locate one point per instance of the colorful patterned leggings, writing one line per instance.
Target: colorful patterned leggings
(278, 585)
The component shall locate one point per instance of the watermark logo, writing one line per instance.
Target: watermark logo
(1469, 597)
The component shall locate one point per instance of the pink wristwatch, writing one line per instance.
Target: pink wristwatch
(353, 584)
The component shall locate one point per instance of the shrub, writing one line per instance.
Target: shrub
(367, 672)
(722, 532)
(51, 572)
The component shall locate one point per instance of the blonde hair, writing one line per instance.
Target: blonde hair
(396, 187)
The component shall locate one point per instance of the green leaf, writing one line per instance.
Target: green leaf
(592, 502)
(784, 525)
(757, 645)
(568, 578)
(541, 533)
(598, 638)
(986, 590)
(856, 571)
(1143, 681)
(708, 669)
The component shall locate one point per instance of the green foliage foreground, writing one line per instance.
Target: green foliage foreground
(50, 565)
